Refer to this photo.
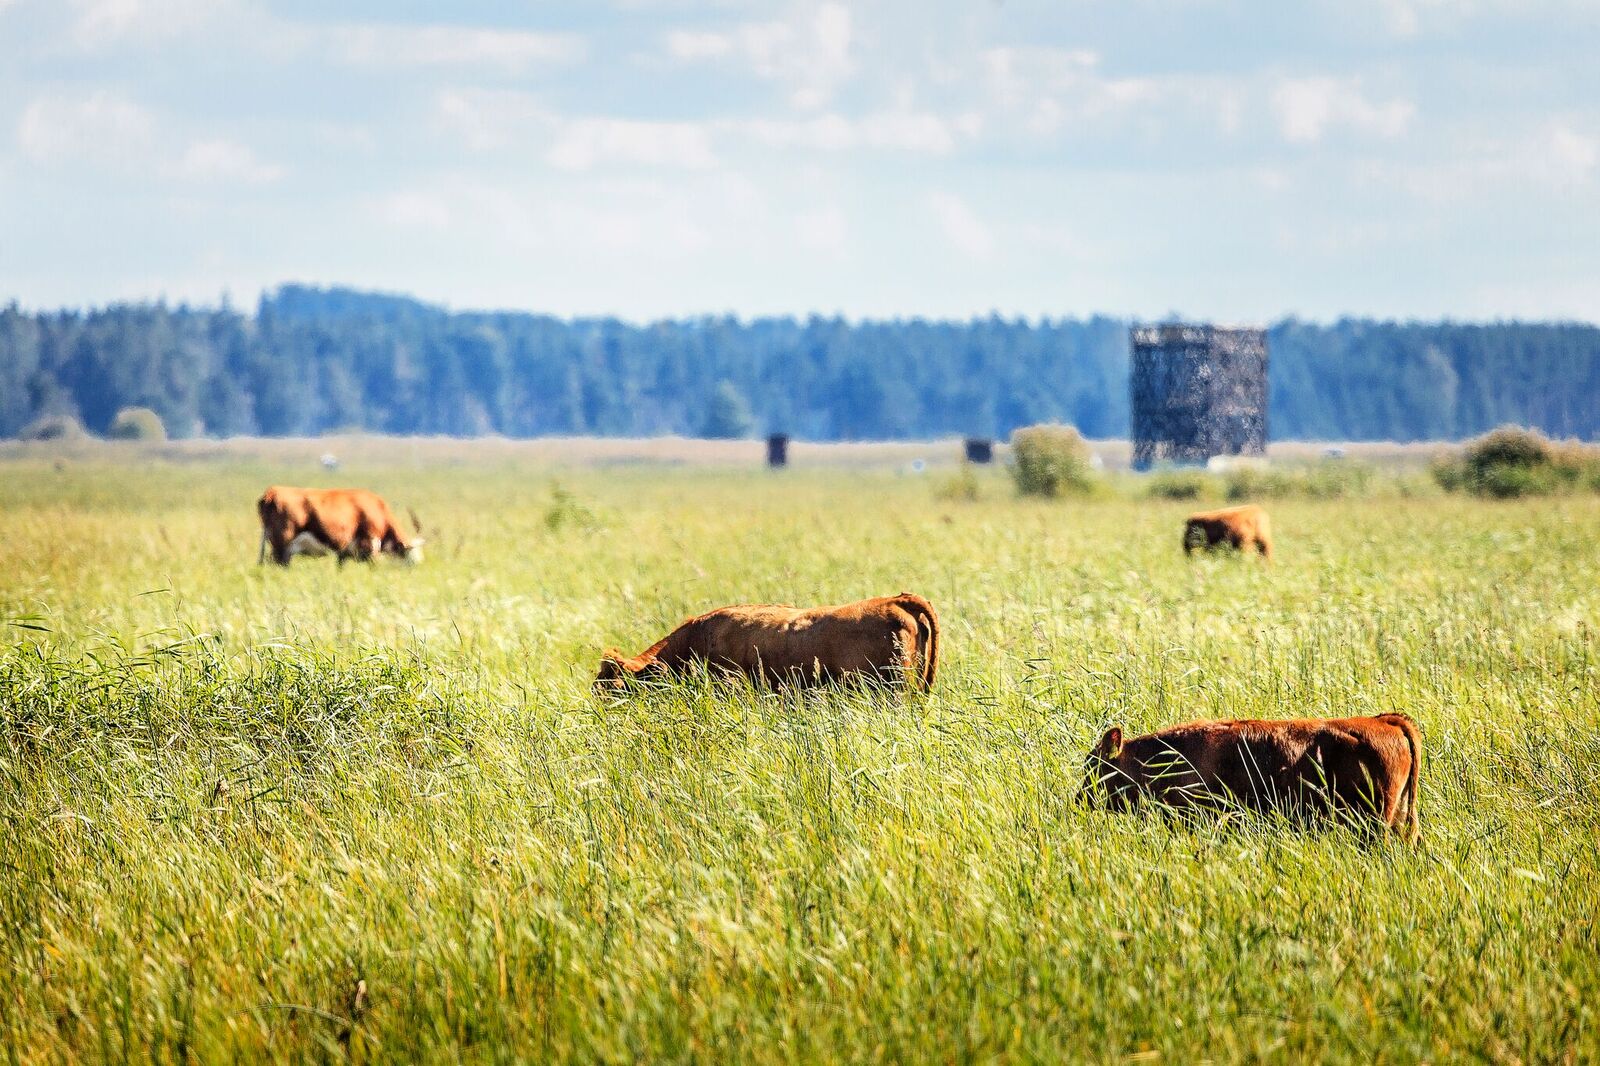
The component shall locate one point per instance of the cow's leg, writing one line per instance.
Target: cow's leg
(261, 556)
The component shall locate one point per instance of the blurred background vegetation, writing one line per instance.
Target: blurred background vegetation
(312, 361)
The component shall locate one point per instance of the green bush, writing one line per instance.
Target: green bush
(1180, 485)
(567, 510)
(54, 427)
(1512, 461)
(1050, 461)
(961, 486)
(1257, 483)
(1329, 479)
(1506, 481)
(137, 423)
(1508, 446)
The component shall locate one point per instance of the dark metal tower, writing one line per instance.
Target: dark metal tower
(1197, 391)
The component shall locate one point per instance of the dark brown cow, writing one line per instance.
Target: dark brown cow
(1240, 527)
(1355, 767)
(353, 523)
(878, 639)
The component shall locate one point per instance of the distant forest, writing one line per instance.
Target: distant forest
(313, 361)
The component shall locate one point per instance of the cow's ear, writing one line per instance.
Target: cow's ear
(1110, 745)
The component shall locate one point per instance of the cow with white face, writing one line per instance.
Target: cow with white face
(349, 523)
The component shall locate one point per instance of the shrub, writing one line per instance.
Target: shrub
(1256, 483)
(1050, 461)
(1180, 485)
(54, 427)
(961, 486)
(1512, 461)
(1333, 479)
(1508, 446)
(567, 510)
(137, 423)
(1505, 481)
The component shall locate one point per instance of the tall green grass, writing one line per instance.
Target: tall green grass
(233, 796)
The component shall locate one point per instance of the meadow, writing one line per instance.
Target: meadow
(376, 813)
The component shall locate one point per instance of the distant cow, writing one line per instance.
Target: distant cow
(1361, 767)
(1242, 527)
(352, 523)
(879, 639)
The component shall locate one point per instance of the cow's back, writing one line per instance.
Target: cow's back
(778, 640)
(1265, 763)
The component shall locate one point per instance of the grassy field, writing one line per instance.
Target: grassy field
(376, 812)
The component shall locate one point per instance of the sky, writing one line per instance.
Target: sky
(1232, 160)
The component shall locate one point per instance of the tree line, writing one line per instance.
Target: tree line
(312, 361)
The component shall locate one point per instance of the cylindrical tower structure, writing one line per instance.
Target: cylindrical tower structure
(1197, 391)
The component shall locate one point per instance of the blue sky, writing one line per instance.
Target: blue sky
(1223, 159)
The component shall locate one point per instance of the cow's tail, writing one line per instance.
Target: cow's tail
(1407, 725)
(263, 507)
(927, 621)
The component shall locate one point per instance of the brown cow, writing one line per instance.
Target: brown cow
(1241, 527)
(1361, 767)
(354, 523)
(878, 639)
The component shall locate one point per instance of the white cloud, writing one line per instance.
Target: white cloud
(414, 210)
(899, 130)
(1555, 157)
(809, 53)
(220, 159)
(509, 51)
(1044, 90)
(98, 127)
(107, 129)
(960, 224)
(580, 144)
(1307, 108)
(585, 218)
(1563, 155)
(492, 120)
(489, 119)
(101, 22)
(691, 46)
(1400, 17)
(823, 229)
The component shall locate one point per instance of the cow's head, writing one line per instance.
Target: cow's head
(613, 676)
(1105, 780)
(409, 552)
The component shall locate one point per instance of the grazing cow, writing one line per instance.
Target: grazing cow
(878, 639)
(353, 523)
(1238, 527)
(1361, 767)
